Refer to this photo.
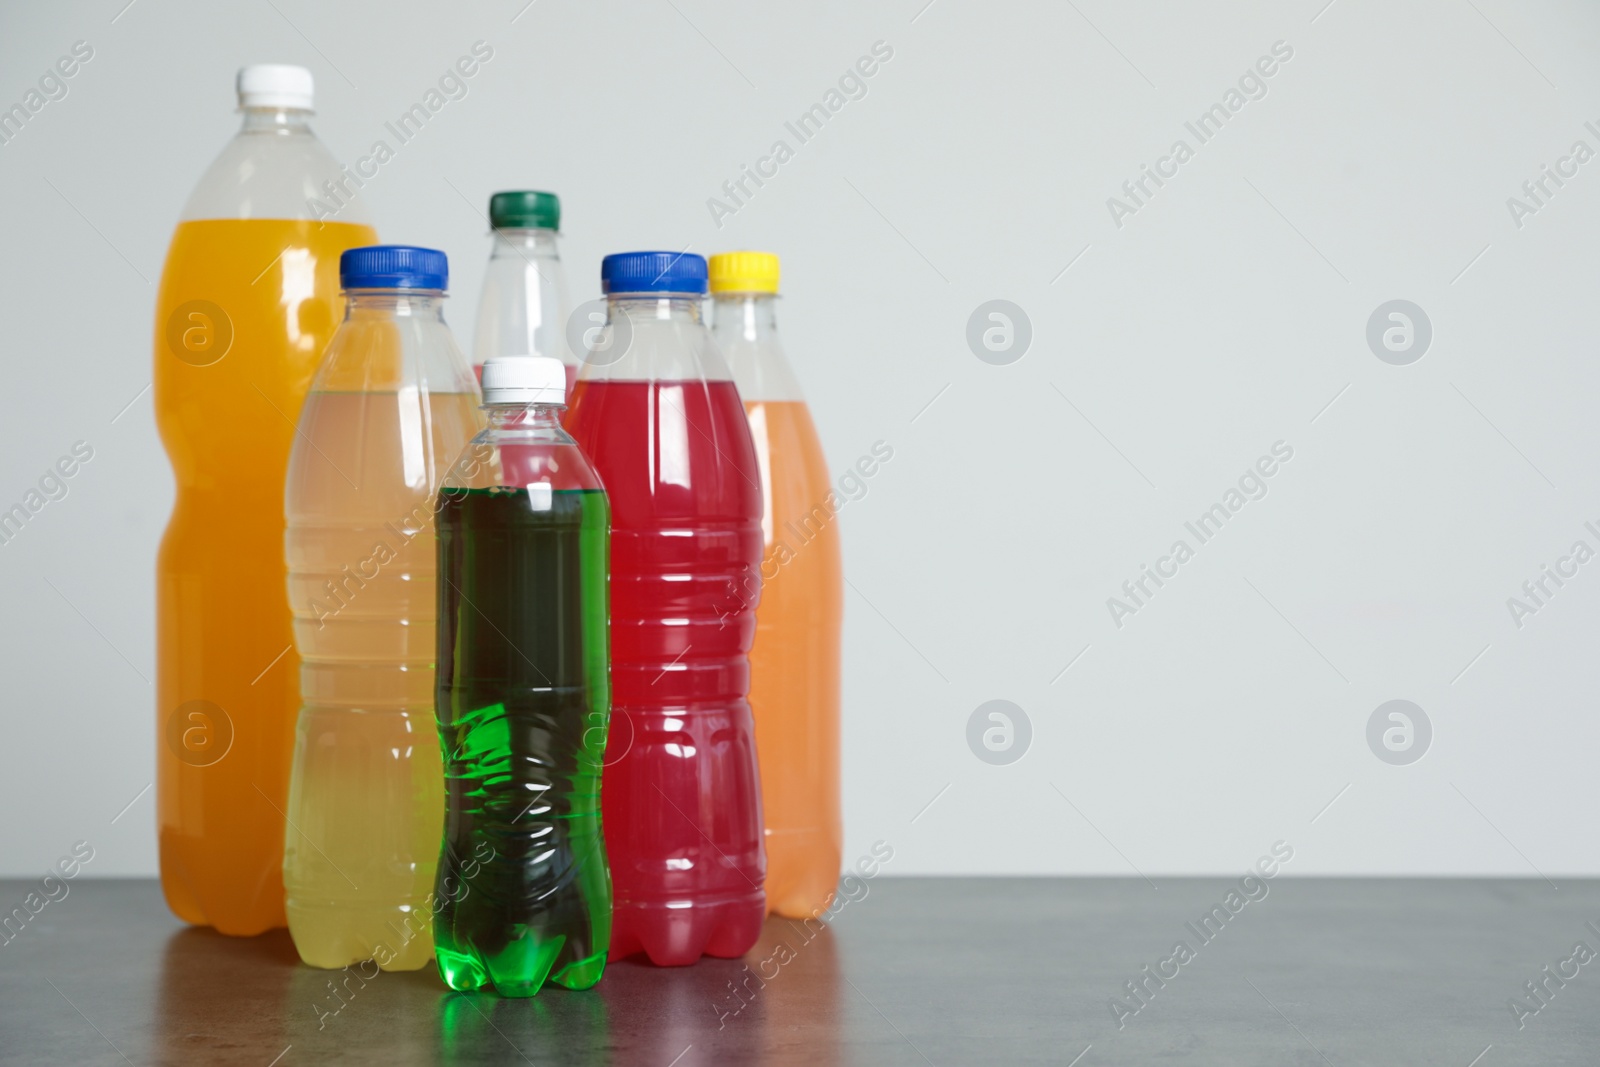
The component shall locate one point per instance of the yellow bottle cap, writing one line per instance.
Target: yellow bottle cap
(744, 272)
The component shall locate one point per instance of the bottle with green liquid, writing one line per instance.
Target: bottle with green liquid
(523, 696)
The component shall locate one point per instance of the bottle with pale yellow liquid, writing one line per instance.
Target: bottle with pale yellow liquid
(794, 662)
(249, 298)
(392, 408)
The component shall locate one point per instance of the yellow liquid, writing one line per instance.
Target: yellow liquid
(367, 801)
(245, 309)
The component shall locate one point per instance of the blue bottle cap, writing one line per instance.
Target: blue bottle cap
(394, 267)
(653, 272)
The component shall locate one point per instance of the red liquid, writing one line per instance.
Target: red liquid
(680, 796)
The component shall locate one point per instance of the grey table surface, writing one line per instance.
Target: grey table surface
(1331, 972)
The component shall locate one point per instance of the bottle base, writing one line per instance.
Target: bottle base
(335, 938)
(520, 970)
(677, 937)
(808, 901)
(231, 929)
(802, 871)
(232, 915)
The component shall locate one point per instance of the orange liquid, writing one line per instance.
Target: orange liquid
(794, 663)
(245, 310)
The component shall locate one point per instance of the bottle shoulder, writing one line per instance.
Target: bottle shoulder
(400, 353)
(642, 349)
(523, 307)
(516, 458)
(275, 175)
(760, 369)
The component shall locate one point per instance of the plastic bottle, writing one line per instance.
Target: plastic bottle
(524, 694)
(249, 298)
(794, 662)
(656, 411)
(392, 407)
(524, 307)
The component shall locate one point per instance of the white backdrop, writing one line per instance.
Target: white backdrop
(1175, 339)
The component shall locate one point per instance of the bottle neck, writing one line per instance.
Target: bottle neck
(283, 121)
(750, 316)
(663, 307)
(518, 416)
(520, 243)
(393, 303)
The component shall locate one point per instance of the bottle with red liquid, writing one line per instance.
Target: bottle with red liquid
(656, 411)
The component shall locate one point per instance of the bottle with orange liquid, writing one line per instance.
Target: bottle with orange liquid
(249, 298)
(794, 663)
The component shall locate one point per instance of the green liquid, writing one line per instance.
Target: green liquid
(523, 892)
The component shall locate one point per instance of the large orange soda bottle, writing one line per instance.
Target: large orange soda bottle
(794, 662)
(249, 298)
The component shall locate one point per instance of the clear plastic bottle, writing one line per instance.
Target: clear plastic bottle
(656, 411)
(794, 662)
(249, 298)
(392, 407)
(525, 304)
(524, 694)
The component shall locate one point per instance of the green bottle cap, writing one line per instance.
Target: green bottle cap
(525, 210)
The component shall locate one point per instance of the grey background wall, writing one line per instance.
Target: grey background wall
(1174, 341)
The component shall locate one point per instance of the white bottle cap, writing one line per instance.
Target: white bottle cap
(524, 380)
(275, 85)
